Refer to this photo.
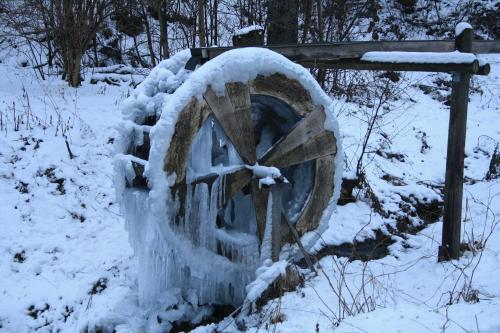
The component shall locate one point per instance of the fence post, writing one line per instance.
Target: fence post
(453, 190)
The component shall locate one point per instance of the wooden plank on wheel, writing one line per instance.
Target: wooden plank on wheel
(308, 140)
(235, 120)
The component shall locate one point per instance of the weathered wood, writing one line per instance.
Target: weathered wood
(276, 212)
(347, 55)
(195, 114)
(233, 182)
(308, 140)
(234, 118)
(453, 192)
(139, 180)
(190, 119)
(358, 64)
(252, 38)
(259, 198)
(297, 240)
(485, 46)
(288, 90)
(484, 69)
(350, 50)
(293, 93)
(239, 94)
(320, 197)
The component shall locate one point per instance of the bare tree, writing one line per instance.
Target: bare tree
(162, 18)
(283, 21)
(68, 26)
(201, 23)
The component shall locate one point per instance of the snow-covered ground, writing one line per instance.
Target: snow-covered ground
(66, 263)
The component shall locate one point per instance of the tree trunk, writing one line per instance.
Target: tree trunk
(321, 76)
(307, 19)
(149, 39)
(215, 19)
(283, 16)
(320, 21)
(162, 17)
(201, 23)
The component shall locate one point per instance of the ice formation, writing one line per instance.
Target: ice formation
(213, 254)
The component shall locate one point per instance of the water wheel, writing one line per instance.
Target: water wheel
(250, 167)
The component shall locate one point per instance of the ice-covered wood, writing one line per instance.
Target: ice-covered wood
(190, 120)
(275, 215)
(260, 198)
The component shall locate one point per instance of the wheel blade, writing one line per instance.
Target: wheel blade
(235, 182)
(308, 140)
(233, 110)
(259, 198)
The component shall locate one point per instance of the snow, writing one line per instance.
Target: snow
(461, 27)
(246, 30)
(265, 276)
(455, 57)
(50, 257)
(266, 175)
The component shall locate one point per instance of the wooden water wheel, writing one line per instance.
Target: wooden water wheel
(254, 169)
(299, 146)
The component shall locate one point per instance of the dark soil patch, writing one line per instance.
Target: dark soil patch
(34, 312)
(99, 286)
(22, 187)
(20, 257)
(78, 217)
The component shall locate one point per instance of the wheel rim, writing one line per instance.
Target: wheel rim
(302, 144)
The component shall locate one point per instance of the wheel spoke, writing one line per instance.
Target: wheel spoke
(276, 212)
(233, 181)
(233, 110)
(308, 140)
(259, 198)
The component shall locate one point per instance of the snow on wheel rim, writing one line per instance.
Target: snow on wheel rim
(208, 89)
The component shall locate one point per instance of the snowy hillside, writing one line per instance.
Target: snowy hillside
(67, 264)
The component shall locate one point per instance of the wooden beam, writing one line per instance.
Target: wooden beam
(357, 64)
(347, 55)
(453, 192)
(357, 49)
(486, 46)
